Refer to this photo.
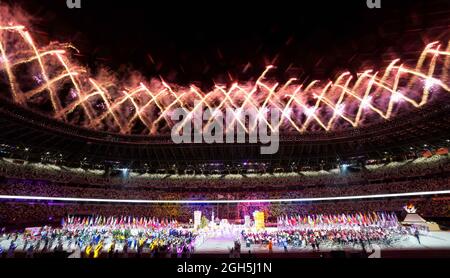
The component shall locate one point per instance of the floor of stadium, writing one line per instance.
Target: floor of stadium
(434, 240)
(431, 244)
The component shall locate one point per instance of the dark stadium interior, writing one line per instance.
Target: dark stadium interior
(314, 40)
(396, 160)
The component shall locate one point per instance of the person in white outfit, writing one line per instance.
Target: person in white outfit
(76, 253)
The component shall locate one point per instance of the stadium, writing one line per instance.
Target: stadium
(89, 167)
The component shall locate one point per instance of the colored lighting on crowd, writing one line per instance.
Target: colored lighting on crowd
(297, 200)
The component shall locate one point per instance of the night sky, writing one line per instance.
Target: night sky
(224, 41)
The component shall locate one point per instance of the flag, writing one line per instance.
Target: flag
(388, 217)
(320, 219)
(365, 219)
(354, 219)
(375, 217)
(88, 250)
(293, 221)
(326, 219)
(370, 219)
(349, 219)
(98, 249)
(383, 217)
(394, 216)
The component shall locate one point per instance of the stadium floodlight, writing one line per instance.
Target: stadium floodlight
(298, 200)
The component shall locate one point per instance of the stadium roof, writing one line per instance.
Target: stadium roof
(360, 38)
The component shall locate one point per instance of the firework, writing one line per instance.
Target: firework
(47, 80)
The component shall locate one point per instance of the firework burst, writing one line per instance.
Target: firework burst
(48, 80)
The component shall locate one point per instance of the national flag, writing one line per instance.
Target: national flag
(98, 249)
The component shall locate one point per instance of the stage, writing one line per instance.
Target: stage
(223, 244)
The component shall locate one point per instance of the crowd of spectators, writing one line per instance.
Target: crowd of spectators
(46, 189)
(418, 175)
(420, 167)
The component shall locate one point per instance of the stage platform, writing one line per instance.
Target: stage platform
(434, 240)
